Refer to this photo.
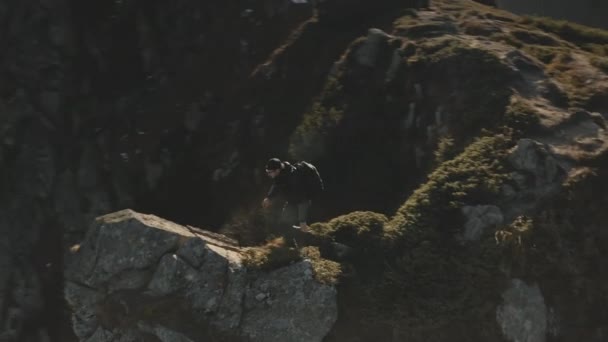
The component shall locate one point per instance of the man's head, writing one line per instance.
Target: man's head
(273, 167)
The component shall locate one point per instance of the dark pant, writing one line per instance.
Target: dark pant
(292, 214)
(295, 213)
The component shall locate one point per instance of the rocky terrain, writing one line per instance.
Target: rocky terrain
(464, 150)
(137, 277)
(589, 12)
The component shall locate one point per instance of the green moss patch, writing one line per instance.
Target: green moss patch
(361, 230)
(430, 279)
(590, 39)
(475, 176)
(276, 253)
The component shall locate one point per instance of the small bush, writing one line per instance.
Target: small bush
(359, 229)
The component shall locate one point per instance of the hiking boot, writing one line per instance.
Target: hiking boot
(303, 228)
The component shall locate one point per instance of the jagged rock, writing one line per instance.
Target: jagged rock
(523, 314)
(534, 160)
(394, 66)
(153, 273)
(368, 52)
(82, 300)
(109, 249)
(284, 315)
(478, 219)
(163, 333)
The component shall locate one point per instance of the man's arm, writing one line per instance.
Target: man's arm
(271, 193)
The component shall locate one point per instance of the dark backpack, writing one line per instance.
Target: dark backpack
(310, 178)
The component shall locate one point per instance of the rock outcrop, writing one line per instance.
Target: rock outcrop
(138, 277)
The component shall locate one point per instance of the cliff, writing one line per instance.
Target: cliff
(464, 149)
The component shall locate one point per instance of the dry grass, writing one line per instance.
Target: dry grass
(274, 254)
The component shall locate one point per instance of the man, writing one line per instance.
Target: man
(292, 190)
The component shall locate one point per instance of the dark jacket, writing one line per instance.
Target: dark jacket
(288, 186)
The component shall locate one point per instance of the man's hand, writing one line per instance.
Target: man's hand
(266, 203)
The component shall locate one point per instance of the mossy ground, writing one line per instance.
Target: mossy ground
(277, 253)
(423, 278)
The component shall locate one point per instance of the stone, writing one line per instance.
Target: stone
(290, 318)
(193, 251)
(523, 314)
(110, 246)
(534, 158)
(168, 335)
(478, 219)
(367, 53)
(194, 275)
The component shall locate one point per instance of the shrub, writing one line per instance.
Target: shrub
(359, 229)
(432, 279)
(474, 176)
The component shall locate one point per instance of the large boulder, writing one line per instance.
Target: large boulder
(137, 277)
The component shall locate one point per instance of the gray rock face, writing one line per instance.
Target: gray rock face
(136, 276)
(479, 218)
(523, 314)
(367, 54)
(534, 160)
(537, 174)
(279, 296)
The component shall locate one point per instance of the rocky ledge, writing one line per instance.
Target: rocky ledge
(137, 277)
